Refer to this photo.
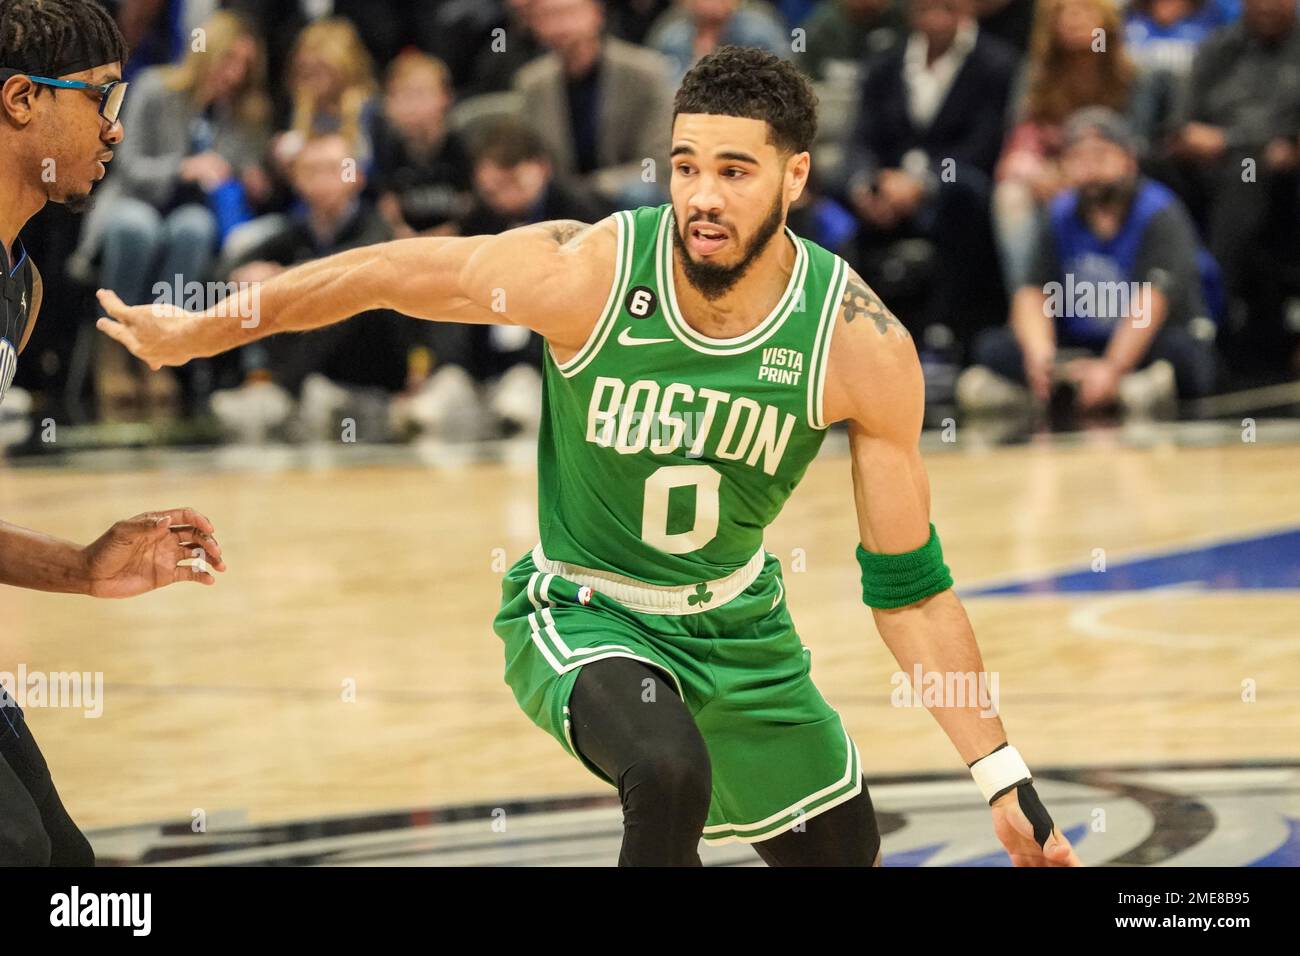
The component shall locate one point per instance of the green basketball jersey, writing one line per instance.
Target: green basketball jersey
(663, 453)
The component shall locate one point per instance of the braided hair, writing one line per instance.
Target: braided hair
(57, 37)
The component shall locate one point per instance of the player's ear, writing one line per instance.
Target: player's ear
(16, 95)
(796, 175)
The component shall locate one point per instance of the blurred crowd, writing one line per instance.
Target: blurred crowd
(995, 169)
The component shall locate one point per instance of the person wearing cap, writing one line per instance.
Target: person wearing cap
(60, 92)
(1112, 300)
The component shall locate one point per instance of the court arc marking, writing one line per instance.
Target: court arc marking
(1168, 815)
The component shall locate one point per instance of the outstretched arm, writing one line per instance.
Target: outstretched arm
(550, 277)
(874, 383)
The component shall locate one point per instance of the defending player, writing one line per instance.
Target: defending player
(60, 91)
(696, 354)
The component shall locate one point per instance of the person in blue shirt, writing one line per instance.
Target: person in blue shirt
(1110, 312)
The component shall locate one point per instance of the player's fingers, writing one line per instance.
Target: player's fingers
(192, 538)
(147, 524)
(1058, 852)
(192, 568)
(119, 333)
(114, 306)
(193, 573)
(200, 551)
(190, 516)
(1027, 859)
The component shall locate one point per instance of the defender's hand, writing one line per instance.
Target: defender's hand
(143, 553)
(1016, 832)
(154, 333)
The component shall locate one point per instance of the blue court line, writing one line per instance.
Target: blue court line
(1258, 562)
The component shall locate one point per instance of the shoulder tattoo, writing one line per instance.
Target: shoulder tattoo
(860, 301)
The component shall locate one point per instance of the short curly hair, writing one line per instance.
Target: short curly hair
(754, 84)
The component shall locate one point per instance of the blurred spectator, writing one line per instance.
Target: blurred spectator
(421, 167)
(1064, 73)
(843, 33)
(920, 162)
(1117, 281)
(1237, 149)
(514, 185)
(159, 32)
(278, 23)
(181, 179)
(603, 107)
(331, 89)
(698, 27)
(821, 218)
(795, 12)
(631, 20)
(1164, 34)
(366, 350)
(383, 26)
(1008, 20)
(386, 26)
(484, 43)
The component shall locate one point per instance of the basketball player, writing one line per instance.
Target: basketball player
(696, 354)
(60, 91)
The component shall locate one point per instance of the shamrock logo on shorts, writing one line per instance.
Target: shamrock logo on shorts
(701, 596)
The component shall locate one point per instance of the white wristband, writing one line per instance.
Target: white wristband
(999, 771)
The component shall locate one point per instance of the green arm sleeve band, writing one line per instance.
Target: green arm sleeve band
(897, 580)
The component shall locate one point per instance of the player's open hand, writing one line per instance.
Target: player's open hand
(145, 552)
(154, 333)
(1015, 829)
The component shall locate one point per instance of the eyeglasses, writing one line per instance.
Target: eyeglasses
(110, 94)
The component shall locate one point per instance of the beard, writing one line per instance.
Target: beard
(713, 280)
(1116, 192)
(77, 202)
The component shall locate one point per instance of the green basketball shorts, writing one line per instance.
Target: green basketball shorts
(780, 754)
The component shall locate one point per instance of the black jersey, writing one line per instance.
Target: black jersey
(15, 305)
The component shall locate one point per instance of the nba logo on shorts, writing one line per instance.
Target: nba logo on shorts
(584, 595)
(8, 363)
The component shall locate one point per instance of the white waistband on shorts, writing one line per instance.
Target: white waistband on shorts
(655, 598)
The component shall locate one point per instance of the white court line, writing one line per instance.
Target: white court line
(1087, 619)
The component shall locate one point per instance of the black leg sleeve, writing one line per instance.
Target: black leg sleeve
(628, 720)
(846, 835)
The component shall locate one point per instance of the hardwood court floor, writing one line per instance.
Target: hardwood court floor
(232, 698)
